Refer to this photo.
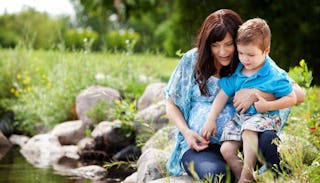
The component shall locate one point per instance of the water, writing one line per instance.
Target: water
(15, 169)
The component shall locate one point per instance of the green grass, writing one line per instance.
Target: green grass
(41, 86)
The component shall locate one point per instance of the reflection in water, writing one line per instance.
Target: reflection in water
(15, 169)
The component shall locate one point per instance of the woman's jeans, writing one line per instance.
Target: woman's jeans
(210, 162)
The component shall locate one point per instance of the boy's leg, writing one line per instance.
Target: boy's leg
(229, 151)
(250, 153)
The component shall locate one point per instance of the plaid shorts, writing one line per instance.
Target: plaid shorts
(257, 122)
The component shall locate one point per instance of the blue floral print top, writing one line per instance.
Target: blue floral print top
(185, 93)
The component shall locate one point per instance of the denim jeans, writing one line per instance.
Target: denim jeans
(210, 162)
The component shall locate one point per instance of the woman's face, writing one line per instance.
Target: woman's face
(223, 51)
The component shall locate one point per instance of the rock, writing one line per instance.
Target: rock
(92, 172)
(92, 95)
(4, 142)
(162, 139)
(69, 133)
(86, 143)
(71, 151)
(152, 94)
(42, 150)
(109, 137)
(129, 153)
(154, 116)
(131, 179)
(20, 140)
(151, 165)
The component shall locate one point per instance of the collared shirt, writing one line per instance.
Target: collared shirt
(269, 79)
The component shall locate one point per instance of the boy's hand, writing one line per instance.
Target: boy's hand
(209, 129)
(261, 105)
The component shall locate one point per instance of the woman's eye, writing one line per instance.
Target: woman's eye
(230, 44)
(214, 45)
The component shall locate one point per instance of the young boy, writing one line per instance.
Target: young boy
(254, 71)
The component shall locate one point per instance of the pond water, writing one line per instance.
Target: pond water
(15, 169)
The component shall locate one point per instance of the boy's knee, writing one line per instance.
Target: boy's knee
(227, 151)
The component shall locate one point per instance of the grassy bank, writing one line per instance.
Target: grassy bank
(40, 87)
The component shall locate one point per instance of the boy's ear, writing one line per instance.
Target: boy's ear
(267, 51)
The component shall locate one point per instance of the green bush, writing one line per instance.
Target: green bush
(122, 40)
(80, 39)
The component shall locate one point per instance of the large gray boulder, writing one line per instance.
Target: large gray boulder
(87, 99)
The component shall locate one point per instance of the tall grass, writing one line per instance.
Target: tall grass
(40, 87)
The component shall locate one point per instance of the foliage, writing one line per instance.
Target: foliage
(120, 110)
(301, 74)
(40, 87)
(20, 28)
(121, 40)
(75, 39)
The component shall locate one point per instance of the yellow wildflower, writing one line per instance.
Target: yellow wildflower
(26, 80)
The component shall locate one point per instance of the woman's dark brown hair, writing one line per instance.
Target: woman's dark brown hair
(214, 28)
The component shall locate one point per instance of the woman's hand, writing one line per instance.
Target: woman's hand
(244, 98)
(195, 141)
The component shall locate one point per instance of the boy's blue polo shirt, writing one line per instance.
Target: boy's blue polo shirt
(268, 79)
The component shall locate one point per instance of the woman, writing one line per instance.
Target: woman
(191, 90)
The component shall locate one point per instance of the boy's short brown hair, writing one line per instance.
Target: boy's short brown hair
(255, 31)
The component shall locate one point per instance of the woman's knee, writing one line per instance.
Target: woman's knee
(267, 138)
(204, 164)
(268, 147)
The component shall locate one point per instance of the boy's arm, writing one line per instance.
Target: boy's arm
(286, 101)
(209, 127)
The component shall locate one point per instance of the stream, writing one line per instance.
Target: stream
(15, 169)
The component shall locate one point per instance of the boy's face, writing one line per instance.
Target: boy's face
(251, 56)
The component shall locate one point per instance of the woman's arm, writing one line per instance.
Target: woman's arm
(263, 105)
(299, 93)
(244, 98)
(194, 140)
